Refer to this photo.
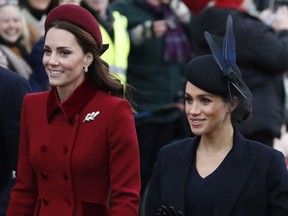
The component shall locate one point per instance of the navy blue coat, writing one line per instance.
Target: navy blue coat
(13, 87)
(255, 182)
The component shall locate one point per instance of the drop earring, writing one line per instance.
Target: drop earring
(85, 69)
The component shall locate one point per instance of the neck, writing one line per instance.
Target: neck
(218, 142)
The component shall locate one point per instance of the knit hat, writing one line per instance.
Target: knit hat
(78, 16)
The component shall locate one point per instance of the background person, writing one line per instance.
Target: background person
(160, 47)
(11, 33)
(13, 87)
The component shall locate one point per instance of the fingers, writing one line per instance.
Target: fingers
(170, 211)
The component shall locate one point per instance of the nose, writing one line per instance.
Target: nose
(194, 108)
(53, 60)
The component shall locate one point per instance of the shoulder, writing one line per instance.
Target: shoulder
(179, 148)
(36, 98)
(13, 81)
(9, 76)
(260, 153)
(261, 150)
(109, 101)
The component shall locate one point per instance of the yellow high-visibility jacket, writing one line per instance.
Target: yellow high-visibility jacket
(117, 54)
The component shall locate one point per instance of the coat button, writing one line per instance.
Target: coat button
(68, 203)
(43, 148)
(65, 149)
(65, 177)
(45, 201)
(43, 175)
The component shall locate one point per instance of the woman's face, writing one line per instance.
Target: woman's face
(77, 2)
(10, 23)
(39, 4)
(205, 112)
(97, 5)
(64, 59)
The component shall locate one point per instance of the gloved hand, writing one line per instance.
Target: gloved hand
(168, 211)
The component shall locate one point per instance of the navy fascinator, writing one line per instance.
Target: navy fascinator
(219, 74)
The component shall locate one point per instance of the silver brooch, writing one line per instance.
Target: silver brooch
(91, 116)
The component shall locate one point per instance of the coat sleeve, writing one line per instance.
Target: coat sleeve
(23, 196)
(152, 200)
(278, 187)
(11, 118)
(124, 162)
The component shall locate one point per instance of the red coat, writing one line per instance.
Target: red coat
(69, 166)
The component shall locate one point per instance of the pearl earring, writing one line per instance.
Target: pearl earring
(85, 69)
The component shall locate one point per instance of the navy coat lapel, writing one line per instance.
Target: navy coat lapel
(236, 172)
(182, 167)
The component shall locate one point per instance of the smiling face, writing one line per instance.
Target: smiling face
(10, 23)
(205, 112)
(39, 4)
(77, 2)
(64, 59)
(97, 5)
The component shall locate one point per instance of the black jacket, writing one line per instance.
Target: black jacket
(13, 87)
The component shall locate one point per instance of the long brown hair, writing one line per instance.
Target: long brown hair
(98, 71)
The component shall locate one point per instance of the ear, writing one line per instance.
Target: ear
(88, 59)
(233, 104)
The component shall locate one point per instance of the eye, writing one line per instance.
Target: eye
(64, 53)
(188, 99)
(47, 51)
(205, 100)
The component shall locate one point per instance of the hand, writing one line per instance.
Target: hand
(281, 19)
(181, 10)
(164, 211)
(3, 60)
(159, 28)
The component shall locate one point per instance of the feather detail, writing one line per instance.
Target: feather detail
(229, 48)
(216, 51)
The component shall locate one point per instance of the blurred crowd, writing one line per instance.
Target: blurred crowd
(150, 41)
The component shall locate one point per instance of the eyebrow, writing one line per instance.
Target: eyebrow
(58, 48)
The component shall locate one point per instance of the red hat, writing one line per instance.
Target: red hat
(78, 16)
(196, 6)
(236, 4)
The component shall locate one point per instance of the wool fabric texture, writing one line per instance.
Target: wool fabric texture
(78, 16)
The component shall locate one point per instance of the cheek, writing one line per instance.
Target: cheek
(44, 60)
(187, 109)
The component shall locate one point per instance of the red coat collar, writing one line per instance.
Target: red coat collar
(74, 104)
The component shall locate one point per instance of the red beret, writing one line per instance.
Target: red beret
(78, 16)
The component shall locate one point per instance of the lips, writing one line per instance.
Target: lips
(196, 122)
(55, 72)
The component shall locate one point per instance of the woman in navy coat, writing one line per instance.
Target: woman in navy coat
(218, 172)
(78, 151)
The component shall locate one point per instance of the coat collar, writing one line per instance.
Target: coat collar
(74, 104)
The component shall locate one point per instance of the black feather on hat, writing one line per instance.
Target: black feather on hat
(219, 74)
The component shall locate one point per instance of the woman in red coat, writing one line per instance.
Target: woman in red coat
(78, 152)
